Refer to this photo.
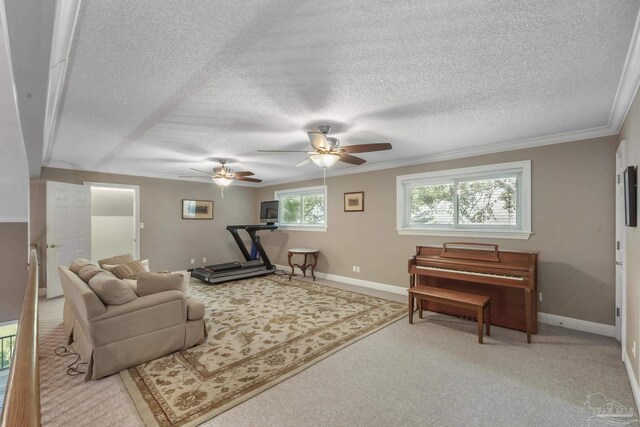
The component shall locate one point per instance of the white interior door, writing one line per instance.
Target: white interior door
(621, 289)
(68, 229)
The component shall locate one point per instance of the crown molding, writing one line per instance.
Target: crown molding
(629, 82)
(519, 144)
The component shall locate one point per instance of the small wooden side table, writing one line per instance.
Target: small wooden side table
(306, 264)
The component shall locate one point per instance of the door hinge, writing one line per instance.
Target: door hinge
(618, 311)
(618, 244)
(618, 178)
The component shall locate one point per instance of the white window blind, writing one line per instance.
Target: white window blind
(478, 201)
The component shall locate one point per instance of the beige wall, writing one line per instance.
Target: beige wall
(168, 241)
(572, 221)
(13, 264)
(631, 133)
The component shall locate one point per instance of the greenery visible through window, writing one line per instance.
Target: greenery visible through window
(304, 207)
(489, 198)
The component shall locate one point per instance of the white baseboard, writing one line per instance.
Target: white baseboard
(351, 281)
(577, 324)
(550, 319)
(632, 377)
(42, 292)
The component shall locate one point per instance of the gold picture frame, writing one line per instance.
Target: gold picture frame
(197, 209)
(354, 202)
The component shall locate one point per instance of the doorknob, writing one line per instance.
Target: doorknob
(53, 245)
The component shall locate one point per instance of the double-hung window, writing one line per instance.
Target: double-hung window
(492, 201)
(303, 208)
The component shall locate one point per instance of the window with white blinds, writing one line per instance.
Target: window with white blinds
(303, 208)
(485, 201)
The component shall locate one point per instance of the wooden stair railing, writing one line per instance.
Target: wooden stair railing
(22, 399)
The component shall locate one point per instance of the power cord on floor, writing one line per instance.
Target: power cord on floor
(73, 369)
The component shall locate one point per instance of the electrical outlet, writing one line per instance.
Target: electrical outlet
(142, 225)
(540, 296)
(204, 260)
(633, 349)
(193, 261)
(354, 268)
(358, 269)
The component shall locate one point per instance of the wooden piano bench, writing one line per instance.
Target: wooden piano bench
(480, 303)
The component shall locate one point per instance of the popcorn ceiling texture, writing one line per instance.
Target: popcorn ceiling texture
(154, 88)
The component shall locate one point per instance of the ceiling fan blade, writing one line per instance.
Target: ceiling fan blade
(280, 151)
(198, 170)
(194, 176)
(365, 148)
(304, 162)
(241, 178)
(319, 140)
(348, 158)
(243, 173)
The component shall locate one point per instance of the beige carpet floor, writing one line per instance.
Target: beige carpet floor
(432, 373)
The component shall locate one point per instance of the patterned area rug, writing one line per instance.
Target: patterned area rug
(261, 332)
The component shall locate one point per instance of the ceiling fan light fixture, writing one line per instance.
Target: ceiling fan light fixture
(325, 160)
(222, 181)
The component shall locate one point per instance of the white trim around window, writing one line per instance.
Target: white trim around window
(320, 190)
(520, 230)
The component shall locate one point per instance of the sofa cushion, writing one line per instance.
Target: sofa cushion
(144, 262)
(78, 263)
(110, 289)
(87, 272)
(195, 309)
(129, 270)
(115, 260)
(152, 283)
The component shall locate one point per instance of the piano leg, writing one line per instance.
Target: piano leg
(412, 283)
(420, 308)
(528, 314)
(488, 320)
(410, 305)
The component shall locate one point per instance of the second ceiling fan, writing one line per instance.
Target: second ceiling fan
(327, 150)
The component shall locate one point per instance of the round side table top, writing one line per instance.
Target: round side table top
(303, 251)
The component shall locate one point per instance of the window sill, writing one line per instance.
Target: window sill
(300, 228)
(521, 235)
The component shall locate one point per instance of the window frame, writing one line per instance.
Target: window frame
(461, 174)
(279, 194)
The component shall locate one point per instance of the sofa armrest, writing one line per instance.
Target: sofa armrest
(140, 316)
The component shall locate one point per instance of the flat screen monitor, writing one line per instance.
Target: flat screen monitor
(269, 211)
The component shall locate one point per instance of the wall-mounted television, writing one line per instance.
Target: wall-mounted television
(630, 197)
(269, 211)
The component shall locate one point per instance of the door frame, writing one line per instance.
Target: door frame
(136, 208)
(621, 285)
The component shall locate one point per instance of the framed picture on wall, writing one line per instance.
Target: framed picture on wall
(354, 202)
(197, 209)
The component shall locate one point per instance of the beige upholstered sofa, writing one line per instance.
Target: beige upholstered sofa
(116, 337)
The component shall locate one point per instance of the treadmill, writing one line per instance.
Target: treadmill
(225, 272)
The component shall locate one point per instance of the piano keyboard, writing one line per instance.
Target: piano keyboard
(471, 273)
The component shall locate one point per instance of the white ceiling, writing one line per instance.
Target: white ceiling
(154, 88)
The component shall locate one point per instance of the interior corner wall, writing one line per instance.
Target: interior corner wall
(630, 132)
(573, 221)
(167, 240)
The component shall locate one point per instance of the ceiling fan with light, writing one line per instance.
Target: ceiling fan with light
(223, 176)
(327, 150)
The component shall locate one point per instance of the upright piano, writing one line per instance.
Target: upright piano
(508, 277)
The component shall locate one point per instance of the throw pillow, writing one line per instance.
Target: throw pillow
(111, 290)
(87, 272)
(77, 264)
(144, 262)
(152, 283)
(115, 260)
(129, 270)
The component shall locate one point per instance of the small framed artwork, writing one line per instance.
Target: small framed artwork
(197, 209)
(354, 202)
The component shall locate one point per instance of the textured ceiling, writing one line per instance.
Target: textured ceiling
(154, 88)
